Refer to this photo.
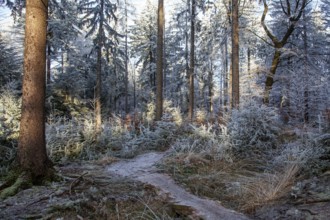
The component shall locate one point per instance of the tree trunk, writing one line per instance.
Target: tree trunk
(235, 54)
(294, 17)
(271, 74)
(249, 68)
(151, 58)
(126, 61)
(221, 89)
(32, 156)
(210, 91)
(98, 115)
(249, 61)
(306, 94)
(160, 52)
(192, 62)
(134, 91)
(226, 78)
(48, 62)
(98, 87)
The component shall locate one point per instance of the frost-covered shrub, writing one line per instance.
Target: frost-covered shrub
(306, 151)
(75, 138)
(117, 126)
(150, 112)
(60, 104)
(10, 62)
(254, 129)
(206, 141)
(10, 109)
(201, 116)
(156, 138)
(10, 113)
(172, 113)
(63, 138)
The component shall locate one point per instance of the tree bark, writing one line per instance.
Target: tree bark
(192, 62)
(32, 156)
(126, 61)
(210, 91)
(186, 52)
(270, 76)
(226, 78)
(306, 93)
(48, 63)
(235, 54)
(160, 60)
(98, 87)
(249, 60)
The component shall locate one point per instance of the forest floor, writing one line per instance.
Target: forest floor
(88, 191)
(106, 189)
(137, 189)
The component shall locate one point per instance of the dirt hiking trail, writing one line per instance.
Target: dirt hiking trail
(143, 168)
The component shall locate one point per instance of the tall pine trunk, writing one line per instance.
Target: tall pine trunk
(98, 87)
(192, 62)
(306, 93)
(210, 89)
(160, 52)
(32, 156)
(126, 61)
(235, 54)
(226, 78)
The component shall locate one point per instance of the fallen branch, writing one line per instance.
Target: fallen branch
(60, 192)
(312, 201)
(76, 182)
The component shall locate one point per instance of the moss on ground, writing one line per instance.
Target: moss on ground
(23, 181)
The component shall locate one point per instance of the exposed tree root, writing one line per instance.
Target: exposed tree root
(23, 181)
(18, 180)
(61, 192)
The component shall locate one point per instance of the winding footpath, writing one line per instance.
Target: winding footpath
(143, 168)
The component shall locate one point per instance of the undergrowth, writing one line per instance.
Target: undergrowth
(244, 160)
(246, 163)
(74, 138)
(10, 105)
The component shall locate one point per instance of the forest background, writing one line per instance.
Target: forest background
(243, 82)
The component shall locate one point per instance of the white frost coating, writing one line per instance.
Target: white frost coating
(143, 168)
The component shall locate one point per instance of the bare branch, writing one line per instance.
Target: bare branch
(269, 34)
(261, 38)
(282, 6)
(288, 4)
(293, 24)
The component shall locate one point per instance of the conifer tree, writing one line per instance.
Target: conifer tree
(98, 15)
